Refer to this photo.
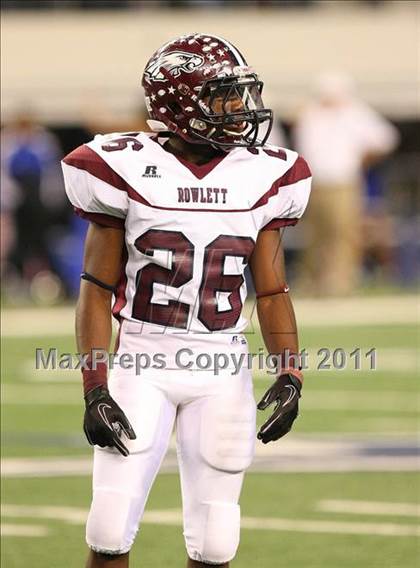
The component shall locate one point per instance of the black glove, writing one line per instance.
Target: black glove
(104, 421)
(286, 393)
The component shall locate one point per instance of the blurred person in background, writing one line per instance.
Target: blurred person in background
(340, 136)
(33, 196)
(8, 201)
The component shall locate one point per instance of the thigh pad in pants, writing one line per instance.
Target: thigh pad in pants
(227, 432)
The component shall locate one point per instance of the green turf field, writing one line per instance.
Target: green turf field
(304, 519)
(286, 496)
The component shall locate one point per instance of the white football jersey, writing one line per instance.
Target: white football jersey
(189, 230)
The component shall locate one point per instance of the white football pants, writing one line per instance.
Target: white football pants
(214, 418)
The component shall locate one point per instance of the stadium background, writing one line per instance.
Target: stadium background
(342, 489)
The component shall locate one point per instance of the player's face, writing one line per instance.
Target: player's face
(234, 103)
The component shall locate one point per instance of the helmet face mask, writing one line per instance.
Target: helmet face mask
(233, 110)
(201, 89)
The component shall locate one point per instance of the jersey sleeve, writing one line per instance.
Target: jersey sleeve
(95, 190)
(285, 202)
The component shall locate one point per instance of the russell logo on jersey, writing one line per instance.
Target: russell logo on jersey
(151, 172)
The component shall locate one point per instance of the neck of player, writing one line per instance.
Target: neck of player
(198, 154)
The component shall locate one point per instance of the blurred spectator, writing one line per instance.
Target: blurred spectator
(8, 202)
(32, 194)
(339, 136)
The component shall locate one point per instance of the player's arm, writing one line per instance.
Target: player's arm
(102, 261)
(104, 420)
(278, 326)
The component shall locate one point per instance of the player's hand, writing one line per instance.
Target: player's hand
(104, 421)
(285, 392)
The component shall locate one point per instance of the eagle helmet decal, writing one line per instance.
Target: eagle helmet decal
(175, 63)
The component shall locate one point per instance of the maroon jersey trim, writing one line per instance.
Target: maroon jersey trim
(101, 218)
(298, 172)
(279, 223)
(84, 158)
(200, 171)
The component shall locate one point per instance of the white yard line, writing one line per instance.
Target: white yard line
(293, 454)
(332, 527)
(70, 515)
(174, 517)
(45, 467)
(7, 529)
(381, 310)
(366, 310)
(369, 508)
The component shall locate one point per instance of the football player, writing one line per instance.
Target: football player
(175, 216)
